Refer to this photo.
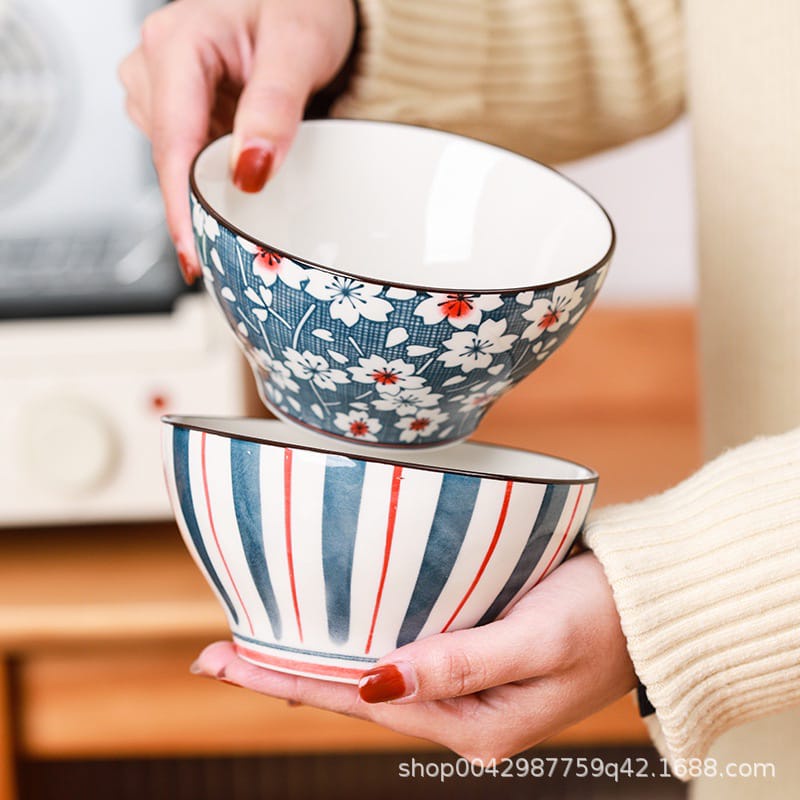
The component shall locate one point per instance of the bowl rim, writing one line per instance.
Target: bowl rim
(400, 285)
(184, 421)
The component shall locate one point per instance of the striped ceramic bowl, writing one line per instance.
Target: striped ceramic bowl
(326, 558)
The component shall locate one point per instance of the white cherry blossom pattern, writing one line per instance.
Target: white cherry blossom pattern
(388, 377)
(269, 266)
(408, 401)
(375, 362)
(483, 395)
(204, 224)
(475, 349)
(261, 299)
(458, 308)
(422, 424)
(350, 299)
(313, 368)
(216, 261)
(548, 314)
(277, 372)
(600, 277)
(542, 351)
(358, 425)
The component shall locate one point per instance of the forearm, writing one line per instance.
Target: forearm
(706, 578)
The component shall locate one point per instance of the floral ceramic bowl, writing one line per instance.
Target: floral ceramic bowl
(324, 560)
(391, 282)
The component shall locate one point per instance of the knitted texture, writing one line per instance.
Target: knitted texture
(706, 578)
(545, 78)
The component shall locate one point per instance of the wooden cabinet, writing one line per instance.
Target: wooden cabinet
(98, 625)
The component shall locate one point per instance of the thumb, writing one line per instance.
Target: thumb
(461, 662)
(272, 102)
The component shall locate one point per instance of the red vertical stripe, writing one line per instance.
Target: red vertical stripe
(397, 474)
(564, 537)
(214, 529)
(501, 521)
(287, 509)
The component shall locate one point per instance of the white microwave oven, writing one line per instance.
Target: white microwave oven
(98, 334)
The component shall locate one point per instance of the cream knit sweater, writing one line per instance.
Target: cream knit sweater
(706, 576)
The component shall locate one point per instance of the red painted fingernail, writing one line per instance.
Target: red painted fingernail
(382, 684)
(188, 270)
(253, 168)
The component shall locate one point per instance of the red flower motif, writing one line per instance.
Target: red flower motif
(266, 259)
(359, 428)
(550, 318)
(460, 309)
(419, 424)
(385, 377)
(457, 305)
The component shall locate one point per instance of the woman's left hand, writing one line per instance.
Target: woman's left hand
(486, 693)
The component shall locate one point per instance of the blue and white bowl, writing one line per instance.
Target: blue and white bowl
(324, 560)
(391, 282)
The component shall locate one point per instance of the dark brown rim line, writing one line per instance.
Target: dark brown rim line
(416, 287)
(179, 421)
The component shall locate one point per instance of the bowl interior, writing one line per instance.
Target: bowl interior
(407, 205)
(472, 458)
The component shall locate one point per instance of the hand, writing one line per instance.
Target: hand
(489, 692)
(206, 67)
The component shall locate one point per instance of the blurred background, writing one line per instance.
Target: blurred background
(100, 607)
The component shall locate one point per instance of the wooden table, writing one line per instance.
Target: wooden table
(98, 625)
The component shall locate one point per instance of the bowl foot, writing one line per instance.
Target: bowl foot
(342, 671)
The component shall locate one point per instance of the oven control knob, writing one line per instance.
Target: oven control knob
(68, 445)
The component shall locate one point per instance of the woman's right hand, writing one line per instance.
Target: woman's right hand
(208, 67)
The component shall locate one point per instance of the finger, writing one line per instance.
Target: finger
(285, 67)
(138, 116)
(219, 660)
(464, 662)
(182, 85)
(133, 75)
(471, 726)
(447, 665)
(553, 630)
(438, 722)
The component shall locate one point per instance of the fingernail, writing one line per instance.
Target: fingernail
(385, 683)
(197, 669)
(188, 270)
(253, 166)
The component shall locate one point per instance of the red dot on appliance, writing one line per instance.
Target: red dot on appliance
(158, 401)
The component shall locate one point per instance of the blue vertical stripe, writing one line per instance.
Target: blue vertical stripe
(246, 484)
(344, 483)
(180, 458)
(555, 497)
(454, 508)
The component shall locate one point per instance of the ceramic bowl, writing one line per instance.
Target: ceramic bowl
(391, 282)
(324, 560)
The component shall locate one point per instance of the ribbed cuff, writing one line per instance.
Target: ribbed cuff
(706, 578)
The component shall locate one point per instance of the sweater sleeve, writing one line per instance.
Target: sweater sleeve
(706, 578)
(551, 79)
